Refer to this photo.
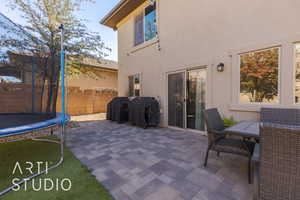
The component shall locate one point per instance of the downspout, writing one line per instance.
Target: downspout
(158, 24)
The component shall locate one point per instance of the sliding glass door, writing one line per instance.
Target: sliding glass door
(196, 84)
(176, 99)
(186, 99)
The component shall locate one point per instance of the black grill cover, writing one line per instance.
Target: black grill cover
(117, 109)
(144, 112)
(109, 112)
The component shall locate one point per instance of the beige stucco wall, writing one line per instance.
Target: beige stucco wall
(107, 79)
(204, 33)
(87, 95)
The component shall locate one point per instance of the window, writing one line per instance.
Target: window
(139, 30)
(259, 79)
(297, 64)
(10, 74)
(150, 22)
(145, 25)
(9, 79)
(134, 85)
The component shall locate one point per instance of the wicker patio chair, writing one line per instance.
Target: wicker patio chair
(278, 174)
(219, 141)
(280, 116)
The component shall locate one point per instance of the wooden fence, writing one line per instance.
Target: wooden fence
(80, 102)
(17, 97)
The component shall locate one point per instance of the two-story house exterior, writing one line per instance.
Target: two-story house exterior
(234, 55)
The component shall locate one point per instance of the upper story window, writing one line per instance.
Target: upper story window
(145, 25)
(259, 76)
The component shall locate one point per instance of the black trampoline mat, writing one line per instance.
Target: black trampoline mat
(12, 120)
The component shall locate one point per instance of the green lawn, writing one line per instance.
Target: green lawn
(84, 185)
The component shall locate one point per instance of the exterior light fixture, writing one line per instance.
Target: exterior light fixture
(220, 67)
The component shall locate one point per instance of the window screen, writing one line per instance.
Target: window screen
(139, 30)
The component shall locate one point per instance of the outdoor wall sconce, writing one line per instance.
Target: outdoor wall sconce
(220, 67)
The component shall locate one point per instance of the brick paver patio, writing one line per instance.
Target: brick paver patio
(157, 163)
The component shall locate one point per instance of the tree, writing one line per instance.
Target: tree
(259, 75)
(43, 19)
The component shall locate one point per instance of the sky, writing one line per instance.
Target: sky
(93, 12)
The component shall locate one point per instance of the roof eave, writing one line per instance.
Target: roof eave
(105, 20)
(119, 12)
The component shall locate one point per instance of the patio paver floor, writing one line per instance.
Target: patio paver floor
(157, 163)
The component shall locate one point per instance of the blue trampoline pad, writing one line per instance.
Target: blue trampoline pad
(17, 123)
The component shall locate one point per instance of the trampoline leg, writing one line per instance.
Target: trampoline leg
(61, 160)
(62, 141)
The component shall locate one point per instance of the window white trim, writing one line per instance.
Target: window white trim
(144, 45)
(287, 76)
(148, 42)
(279, 76)
(140, 83)
(294, 71)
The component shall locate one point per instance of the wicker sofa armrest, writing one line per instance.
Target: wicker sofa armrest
(278, 173)
(287, 116)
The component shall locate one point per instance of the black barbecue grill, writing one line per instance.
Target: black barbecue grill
(117, 109)
(140, 111)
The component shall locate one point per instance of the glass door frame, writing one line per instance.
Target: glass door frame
(185, 95)
(185, 71)
(204, 70)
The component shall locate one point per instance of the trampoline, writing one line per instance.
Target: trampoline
(30, 82)
(13, 124)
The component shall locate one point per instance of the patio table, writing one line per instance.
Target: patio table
(245, 129)
(250, 130)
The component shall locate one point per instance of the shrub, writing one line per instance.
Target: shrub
(229, 121)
